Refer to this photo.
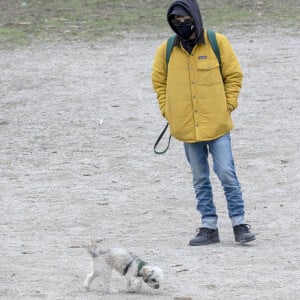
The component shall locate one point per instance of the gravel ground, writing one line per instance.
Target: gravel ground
(77, 128)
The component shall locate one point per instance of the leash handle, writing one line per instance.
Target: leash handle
(158, 140)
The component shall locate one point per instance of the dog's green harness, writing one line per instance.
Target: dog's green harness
(140, 266)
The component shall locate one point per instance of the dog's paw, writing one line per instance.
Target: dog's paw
(132, 291)
(86, 286)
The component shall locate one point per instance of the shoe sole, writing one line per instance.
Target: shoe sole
(205, 243)
(246, 241)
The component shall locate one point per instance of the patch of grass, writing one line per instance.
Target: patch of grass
(86, 20)
(10, 35)
(251, 13)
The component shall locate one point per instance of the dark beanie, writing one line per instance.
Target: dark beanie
(179, 10)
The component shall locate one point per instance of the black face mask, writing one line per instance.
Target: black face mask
(185, 31)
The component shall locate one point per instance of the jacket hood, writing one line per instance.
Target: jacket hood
(192, 7)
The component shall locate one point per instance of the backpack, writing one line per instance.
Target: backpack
(170, 44)
(212, 40)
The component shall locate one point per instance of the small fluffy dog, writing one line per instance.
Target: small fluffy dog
(133, 268)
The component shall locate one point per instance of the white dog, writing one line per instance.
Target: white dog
(133, 268)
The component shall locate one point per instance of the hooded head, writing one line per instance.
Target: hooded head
(186, 8)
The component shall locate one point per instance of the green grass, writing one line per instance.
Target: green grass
(13, 35)
(24, 21)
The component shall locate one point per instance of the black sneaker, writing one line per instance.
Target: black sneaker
(205, 236)
(243, 234)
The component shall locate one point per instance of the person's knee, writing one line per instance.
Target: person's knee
(227, 176)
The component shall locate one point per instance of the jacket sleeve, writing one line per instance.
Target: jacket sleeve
(159, 77)
(231, 72)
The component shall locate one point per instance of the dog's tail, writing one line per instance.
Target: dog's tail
(93, 249)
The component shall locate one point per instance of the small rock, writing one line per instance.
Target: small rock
(3, 122)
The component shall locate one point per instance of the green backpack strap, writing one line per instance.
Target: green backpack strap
(170, 45)
(213, 42)
(212, 39)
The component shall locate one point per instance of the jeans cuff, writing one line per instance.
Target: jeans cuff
(210, 222)
(237, 220)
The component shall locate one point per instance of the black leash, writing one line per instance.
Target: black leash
(158, 140)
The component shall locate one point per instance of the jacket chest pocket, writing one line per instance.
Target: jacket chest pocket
(208, 73)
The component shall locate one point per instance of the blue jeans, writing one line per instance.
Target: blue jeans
(223, 166)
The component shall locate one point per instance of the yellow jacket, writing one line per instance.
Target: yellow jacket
(192, 95)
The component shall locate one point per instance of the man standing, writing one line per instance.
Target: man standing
(196, 95)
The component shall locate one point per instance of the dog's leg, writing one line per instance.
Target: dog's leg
(89, 278)
(134, 285)
(139, 285)
(129, 286)
(106, 276)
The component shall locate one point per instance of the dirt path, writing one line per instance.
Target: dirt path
(77, 127)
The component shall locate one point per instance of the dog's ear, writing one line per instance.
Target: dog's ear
(146, 270)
